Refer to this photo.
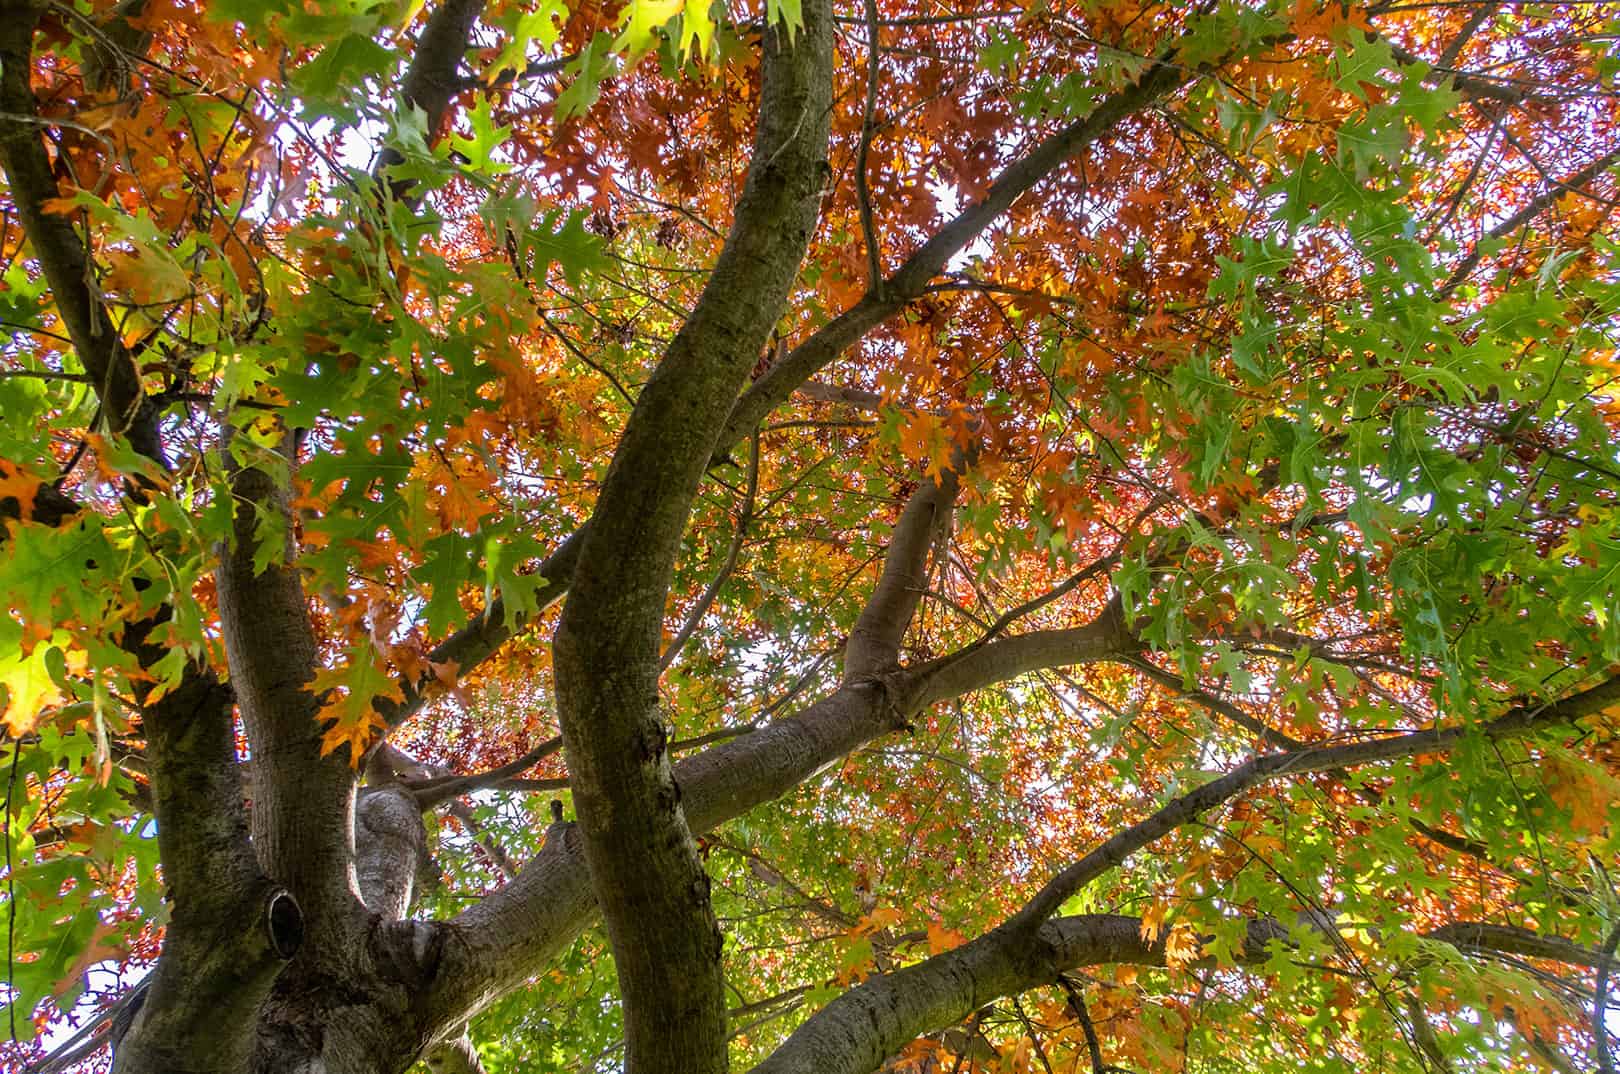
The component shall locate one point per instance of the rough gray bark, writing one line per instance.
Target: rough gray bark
(644, 865)
(303, 807)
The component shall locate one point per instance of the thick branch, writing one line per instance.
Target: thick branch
(1511, 940)
(390, 847)
(863, 190)
(860, 1029)
(874, 644)
(644, 864)
(1007, 658)
(61, 252)
(432, 78)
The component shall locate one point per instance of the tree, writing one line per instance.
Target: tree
(966, 537)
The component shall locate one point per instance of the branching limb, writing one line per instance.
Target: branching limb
(435, 790)
(912, 278)
(1266, 767)
(1007, 658)
(644, 865)
(874, 644)
(859, 1029)
(61, 252)
(1536, 206)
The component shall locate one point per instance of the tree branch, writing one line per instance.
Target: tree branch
(744, 519)
(431, 80)
(911, 278)
(858, 1030)
(1007, 658)
(1537, 205)
(61, 252)
(303, 802)
(863, 191)
(1116, 849)
(643, 861)
(436, 790)
(874, 643)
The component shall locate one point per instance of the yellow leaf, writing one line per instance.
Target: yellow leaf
(29, 688)
(878, 920)
(1182, 946)
(349, 708)
(1153, 920)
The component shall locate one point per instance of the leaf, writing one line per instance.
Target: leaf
(525, 28)
(28, 686)
(1362, 63)
(942, 939)
(639, 23)
(351, 691)
(485, 137)
(18, 490)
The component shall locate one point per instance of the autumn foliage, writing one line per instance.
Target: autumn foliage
(1162, 388)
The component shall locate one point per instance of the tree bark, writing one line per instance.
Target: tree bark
(644, 865)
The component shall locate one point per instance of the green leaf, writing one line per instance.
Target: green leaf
(486, 137)
(1362, 64)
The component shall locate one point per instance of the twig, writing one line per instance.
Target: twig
(874, 267)
(701, 608)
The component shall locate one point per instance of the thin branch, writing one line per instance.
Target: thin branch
(1211, 702)
(1600, 1003)
(863, 191)
(1077, 1006)
(1537, 205)
(919, 270)
(61, 252)
(745, 518)
(1465, 35)
(1113, 851)
(440, 789)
